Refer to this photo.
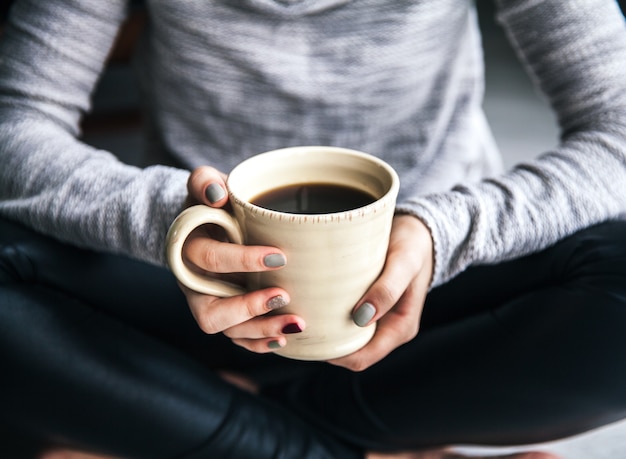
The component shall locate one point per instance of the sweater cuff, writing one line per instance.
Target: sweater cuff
(447, 218)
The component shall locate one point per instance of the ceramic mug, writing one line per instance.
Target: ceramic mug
(332, 257)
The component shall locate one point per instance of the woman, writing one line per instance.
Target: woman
(513, 279)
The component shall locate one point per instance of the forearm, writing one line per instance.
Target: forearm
(75, 193)
(50, 59)
(582, 181)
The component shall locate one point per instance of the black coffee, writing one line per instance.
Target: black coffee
(313, 198)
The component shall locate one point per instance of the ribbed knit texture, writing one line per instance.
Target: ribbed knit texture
(225, 79)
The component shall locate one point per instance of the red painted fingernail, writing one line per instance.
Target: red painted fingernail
(291, 328)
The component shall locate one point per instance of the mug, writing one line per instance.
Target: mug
(330, 211)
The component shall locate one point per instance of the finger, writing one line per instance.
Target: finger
(223, 257)
(207, 185)
(385, 292)
(397, 327)
(215, 315)
(401, 268)
(239, 380)
(262, 346)
(72, 454)
(267, 327)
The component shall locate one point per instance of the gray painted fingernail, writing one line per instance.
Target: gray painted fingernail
(214, 192)
(364, 314)
(276, 302)
(274, 260)
(274, 344)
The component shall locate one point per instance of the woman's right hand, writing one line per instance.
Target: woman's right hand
(243, 318)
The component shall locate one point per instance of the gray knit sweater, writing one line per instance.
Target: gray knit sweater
(225, 79)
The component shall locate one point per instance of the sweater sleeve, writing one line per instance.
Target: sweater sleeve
(575, 52)
(51, 56)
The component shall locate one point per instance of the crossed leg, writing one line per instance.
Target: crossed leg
(471, 376)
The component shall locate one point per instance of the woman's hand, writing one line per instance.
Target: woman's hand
(242, 318)
(396, 299)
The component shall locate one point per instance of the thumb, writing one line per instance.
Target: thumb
(206, 185)
(409, 259)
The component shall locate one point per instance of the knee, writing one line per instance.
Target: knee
(598, 260)
(28, 256)
(594, 311)
(15, 266)
(596, 280)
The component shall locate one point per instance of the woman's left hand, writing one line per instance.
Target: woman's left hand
(396, 299)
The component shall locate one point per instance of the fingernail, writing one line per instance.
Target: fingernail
(364, 314)
(214, 192)
(274, 260)
(277, 302)
(291, 328)
(274, 345)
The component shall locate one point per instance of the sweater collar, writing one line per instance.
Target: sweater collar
(291, 7)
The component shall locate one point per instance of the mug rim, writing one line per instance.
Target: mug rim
(388, 198)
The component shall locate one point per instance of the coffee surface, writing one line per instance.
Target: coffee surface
(313, 198)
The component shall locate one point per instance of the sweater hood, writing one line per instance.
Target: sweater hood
(289, 7)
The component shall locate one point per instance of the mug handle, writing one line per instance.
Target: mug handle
(179, 231)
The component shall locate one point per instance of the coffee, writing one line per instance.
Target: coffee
(313, 198)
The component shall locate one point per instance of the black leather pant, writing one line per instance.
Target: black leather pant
(101, 353)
